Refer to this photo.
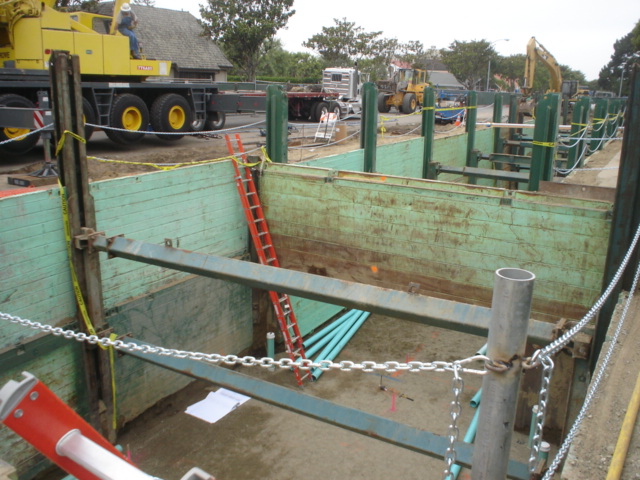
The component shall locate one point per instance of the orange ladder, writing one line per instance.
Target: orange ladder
(267, 254)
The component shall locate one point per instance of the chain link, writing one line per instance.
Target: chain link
(457, 386)
(543, 402)
(265, 362)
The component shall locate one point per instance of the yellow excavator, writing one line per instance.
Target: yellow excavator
(535, 51)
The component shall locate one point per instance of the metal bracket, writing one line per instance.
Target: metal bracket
(85, 239)
(580, 347)
(109, 243)
(414, 288)
(331, 176)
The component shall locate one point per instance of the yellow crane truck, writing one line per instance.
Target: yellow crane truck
(117, 89)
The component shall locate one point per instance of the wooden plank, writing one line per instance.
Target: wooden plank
(591, 192)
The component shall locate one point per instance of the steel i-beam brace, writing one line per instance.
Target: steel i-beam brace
(437, 312)
(352, 419)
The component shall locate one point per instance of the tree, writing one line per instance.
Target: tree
(626, 51)
(242, 26)
(277, 62)
(148, 3)
(75, 5)
(468, 61)
(344, 43)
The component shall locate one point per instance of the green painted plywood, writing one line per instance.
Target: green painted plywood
(453, 239)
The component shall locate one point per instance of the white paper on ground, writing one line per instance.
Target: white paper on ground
(216, 405)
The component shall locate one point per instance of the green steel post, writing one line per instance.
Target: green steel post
(498, 144)
(612, 122)
(544, 140)
(626, 214)
(428, 127)
(369, 125)
(599, 123)
(514, 103)
(277, 124)
(579, 121)
(472, 115)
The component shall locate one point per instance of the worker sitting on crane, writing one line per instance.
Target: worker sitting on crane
(126, 21)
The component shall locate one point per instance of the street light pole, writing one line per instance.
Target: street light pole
(489, 65)
(624, 64)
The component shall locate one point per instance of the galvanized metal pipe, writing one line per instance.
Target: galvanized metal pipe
(511, 306)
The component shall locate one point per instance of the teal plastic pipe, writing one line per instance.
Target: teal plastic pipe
(314, 338)
(483, 350)
(469, 437)
(475, 401)
(333, 353)
(331, 337)
(330, 340)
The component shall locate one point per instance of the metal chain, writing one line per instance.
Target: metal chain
(564, 340)
(265, 362)
(595, 383)
(543, 401)
(457, 386)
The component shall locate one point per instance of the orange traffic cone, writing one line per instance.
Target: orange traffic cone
(458, 120)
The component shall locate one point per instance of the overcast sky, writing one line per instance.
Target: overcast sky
(578, 34)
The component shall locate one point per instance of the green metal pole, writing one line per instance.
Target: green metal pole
(544, 140)
(369, 126)
(626, 214)
(599, 122)
(498, 144)
(578, 126)
(472, 115)
(277, 124)
(514, 102)
(428, 127)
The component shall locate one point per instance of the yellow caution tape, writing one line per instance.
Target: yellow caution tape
(157, 166)
(76, 285)
(64, 136)
(112, 366)
(545, 144)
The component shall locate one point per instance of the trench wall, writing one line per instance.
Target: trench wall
(448, 238)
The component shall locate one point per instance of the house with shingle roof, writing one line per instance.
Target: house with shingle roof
(176, 36)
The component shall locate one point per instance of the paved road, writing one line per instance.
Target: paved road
(101, 146)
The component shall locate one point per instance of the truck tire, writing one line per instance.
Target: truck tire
(171, 113)
(130, 113)
(383, 106)
(89, 116)
(22, 146)
(321, 108)
(409, 103)
(334, 107)
(215, 121)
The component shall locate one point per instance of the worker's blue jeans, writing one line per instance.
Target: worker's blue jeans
(133, 40)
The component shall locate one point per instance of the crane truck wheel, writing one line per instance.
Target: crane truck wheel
(23, 145)
(215, 121)
(130, 113)
(409, 103)
(171, 113)
(89, 116)
(383, 106)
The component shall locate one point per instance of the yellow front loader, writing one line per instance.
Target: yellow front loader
(404, 90)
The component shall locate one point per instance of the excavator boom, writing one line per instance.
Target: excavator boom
(535, 51)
